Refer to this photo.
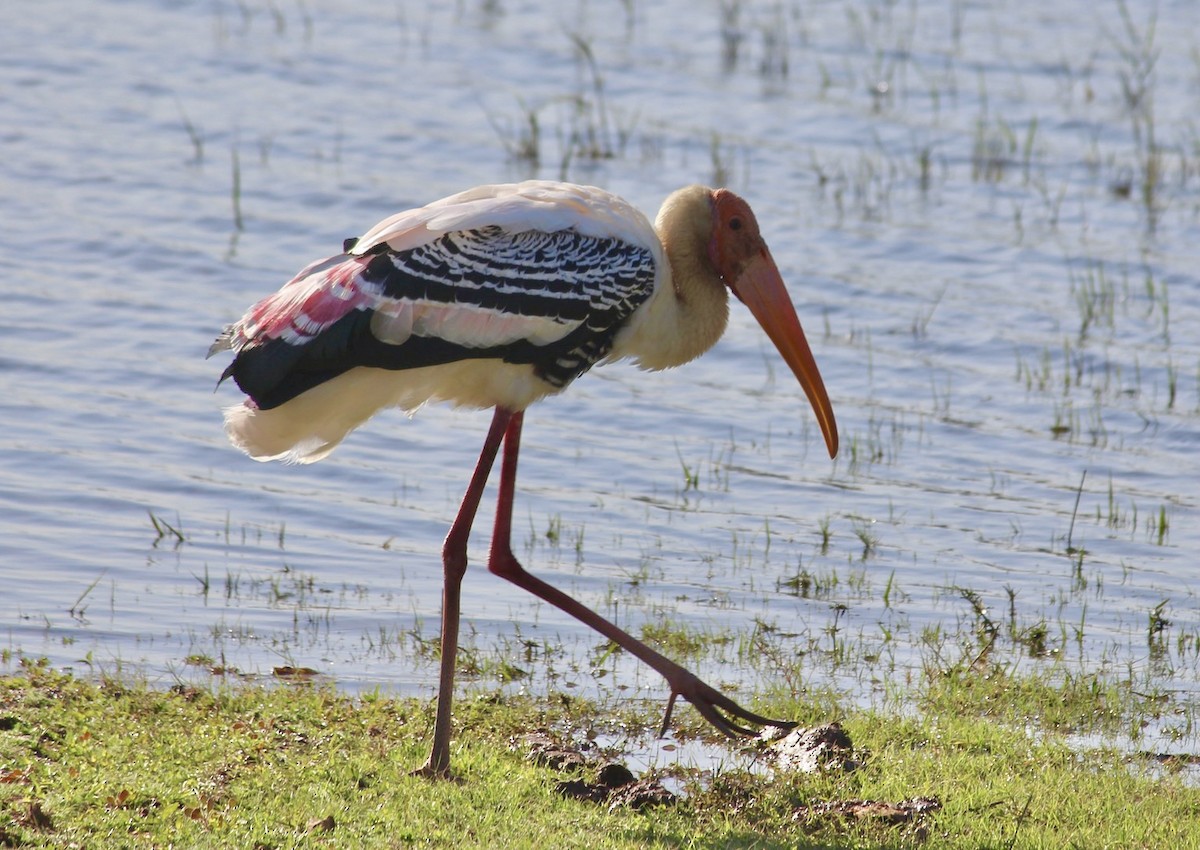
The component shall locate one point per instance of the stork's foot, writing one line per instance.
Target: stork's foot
(432, 771)
(437, 766)
(716, 708)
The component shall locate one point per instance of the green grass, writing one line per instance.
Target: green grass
(115, 764)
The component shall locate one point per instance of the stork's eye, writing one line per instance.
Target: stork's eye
(735, 223)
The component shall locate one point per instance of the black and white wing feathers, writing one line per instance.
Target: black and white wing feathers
(552, 300)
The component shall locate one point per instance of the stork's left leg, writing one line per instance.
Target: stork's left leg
(711, 703)
(454, 565)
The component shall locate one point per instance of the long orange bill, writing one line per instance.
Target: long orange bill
(760, 287)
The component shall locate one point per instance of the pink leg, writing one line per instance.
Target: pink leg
(454, 564)
(501, 561)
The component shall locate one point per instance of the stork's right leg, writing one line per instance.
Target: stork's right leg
(714, 706)
(454, 565)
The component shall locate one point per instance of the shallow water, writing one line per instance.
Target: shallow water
(1003, 303)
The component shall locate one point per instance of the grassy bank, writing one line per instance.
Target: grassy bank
(115, 764)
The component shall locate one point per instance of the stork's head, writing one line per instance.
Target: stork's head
(743, 262)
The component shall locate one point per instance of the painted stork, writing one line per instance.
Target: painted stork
(494, 298)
